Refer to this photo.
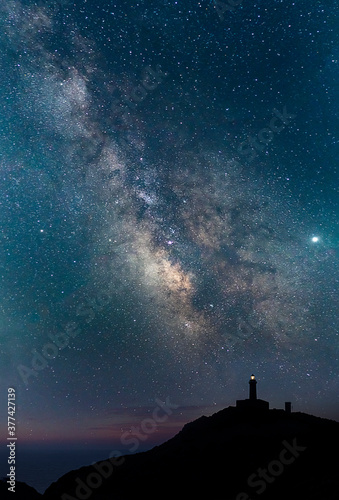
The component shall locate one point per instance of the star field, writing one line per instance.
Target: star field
(169, 192)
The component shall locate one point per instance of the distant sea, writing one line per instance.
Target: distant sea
(41, 468)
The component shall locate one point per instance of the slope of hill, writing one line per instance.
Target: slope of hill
(231, 455)
(22, 491)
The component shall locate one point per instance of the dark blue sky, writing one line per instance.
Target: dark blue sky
(168, 211)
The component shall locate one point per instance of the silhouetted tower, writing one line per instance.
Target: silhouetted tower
(253, 388)
(252, 403)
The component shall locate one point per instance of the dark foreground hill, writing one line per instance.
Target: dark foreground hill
(22, 491)
(232, 455)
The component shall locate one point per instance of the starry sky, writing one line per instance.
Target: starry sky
(168, 211)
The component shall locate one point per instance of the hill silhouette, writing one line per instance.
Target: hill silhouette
(235, 454)
(22, 491)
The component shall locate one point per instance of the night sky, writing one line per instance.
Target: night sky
(168, 211)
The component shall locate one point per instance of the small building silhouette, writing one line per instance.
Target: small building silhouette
(288, 407)
(253, 403)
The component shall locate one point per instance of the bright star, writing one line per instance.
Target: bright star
(315, 239)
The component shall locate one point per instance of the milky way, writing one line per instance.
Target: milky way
(132, 208)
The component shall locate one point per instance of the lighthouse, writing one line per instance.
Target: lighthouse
(253, 388)
(252, 403)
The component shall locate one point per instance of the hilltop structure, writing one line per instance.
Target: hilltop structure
(253, 403)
